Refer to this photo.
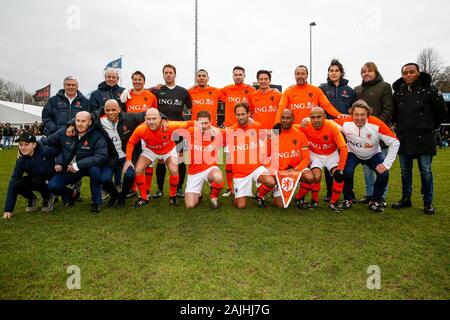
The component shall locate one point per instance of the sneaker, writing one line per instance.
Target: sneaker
(104, 195)
(48, 204)
(214, 203)
(95, 208)
(32, 205)
(227, 193)
(376, 207)
(402, 203)
(174, 201)
(180, 193)
(158, 194)
(383, 203)
(112, 201)
(313, 205)
(131, 194)
(261, 202)
(301, 204)
(140, 203)
(428, 208)
(334, 207)
(346, 204)
(365, 200)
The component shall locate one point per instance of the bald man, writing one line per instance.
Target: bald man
(325, 140)
(118, 127)
(159, 145)
(82, 153)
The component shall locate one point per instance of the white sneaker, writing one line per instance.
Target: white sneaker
(31, 207)
(214, 203)
(227, 193)
(49, 205)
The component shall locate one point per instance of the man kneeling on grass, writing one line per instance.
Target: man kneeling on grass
(81, 154)
(37, 162)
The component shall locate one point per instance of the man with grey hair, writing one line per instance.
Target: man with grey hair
(63, 106)
(108, 89)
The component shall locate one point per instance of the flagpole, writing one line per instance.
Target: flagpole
(121, 69)
(23, 103)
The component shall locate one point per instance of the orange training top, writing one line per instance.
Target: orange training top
(235, 93)
(204, 149)
(291, 151)
(301, 99)
(243, 144)
(326, 140)
(206, 99)
(141, 102)
(264, 107)
(157, 141)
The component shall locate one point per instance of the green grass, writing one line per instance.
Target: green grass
(159, 252)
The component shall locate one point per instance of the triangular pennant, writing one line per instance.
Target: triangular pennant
(287, 183)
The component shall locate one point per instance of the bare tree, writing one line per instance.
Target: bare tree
(10, 91)
(430, 62)
(443, 80)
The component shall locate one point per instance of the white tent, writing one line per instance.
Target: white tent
(16, 113)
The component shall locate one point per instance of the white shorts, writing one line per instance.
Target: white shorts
(194, 183)
(153, 157)
(328, 161)
(243, 187)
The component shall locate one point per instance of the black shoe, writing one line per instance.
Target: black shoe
(140, 203)
(75, 196)
(120, 203)
(214, 203)
(334, 208)
(158, 194)
(95, 208)
(376, 207)
(301, 204)
(112, 201)
(327, 198)
(313, 205)
(174, 201)
(228, 193)
(402, 203)
(428, 209)
(180, 193)
(365, 200)
(346, 204)
(261, 202)
(383, 203)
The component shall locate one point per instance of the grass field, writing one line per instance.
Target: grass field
(161, 252)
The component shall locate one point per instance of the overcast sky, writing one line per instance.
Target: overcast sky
(43, 41)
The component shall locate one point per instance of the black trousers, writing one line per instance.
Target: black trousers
(25, 186)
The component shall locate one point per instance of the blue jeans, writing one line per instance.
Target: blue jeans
(128, 179)
(426, 176)
(369, 178)
(8, 141)
(349, 171)
(58, 183)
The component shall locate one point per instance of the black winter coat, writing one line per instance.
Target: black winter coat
(419, 110)
(58, 111)
(103, 94)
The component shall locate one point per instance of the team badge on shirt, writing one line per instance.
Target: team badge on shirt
(310, 94)
(325, 138)
(295, 142)
(272, 98)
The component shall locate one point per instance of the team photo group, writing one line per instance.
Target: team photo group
(268, 146)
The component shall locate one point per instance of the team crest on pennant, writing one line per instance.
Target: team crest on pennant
(287, 183)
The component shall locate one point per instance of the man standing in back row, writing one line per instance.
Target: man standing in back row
(172, 100)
